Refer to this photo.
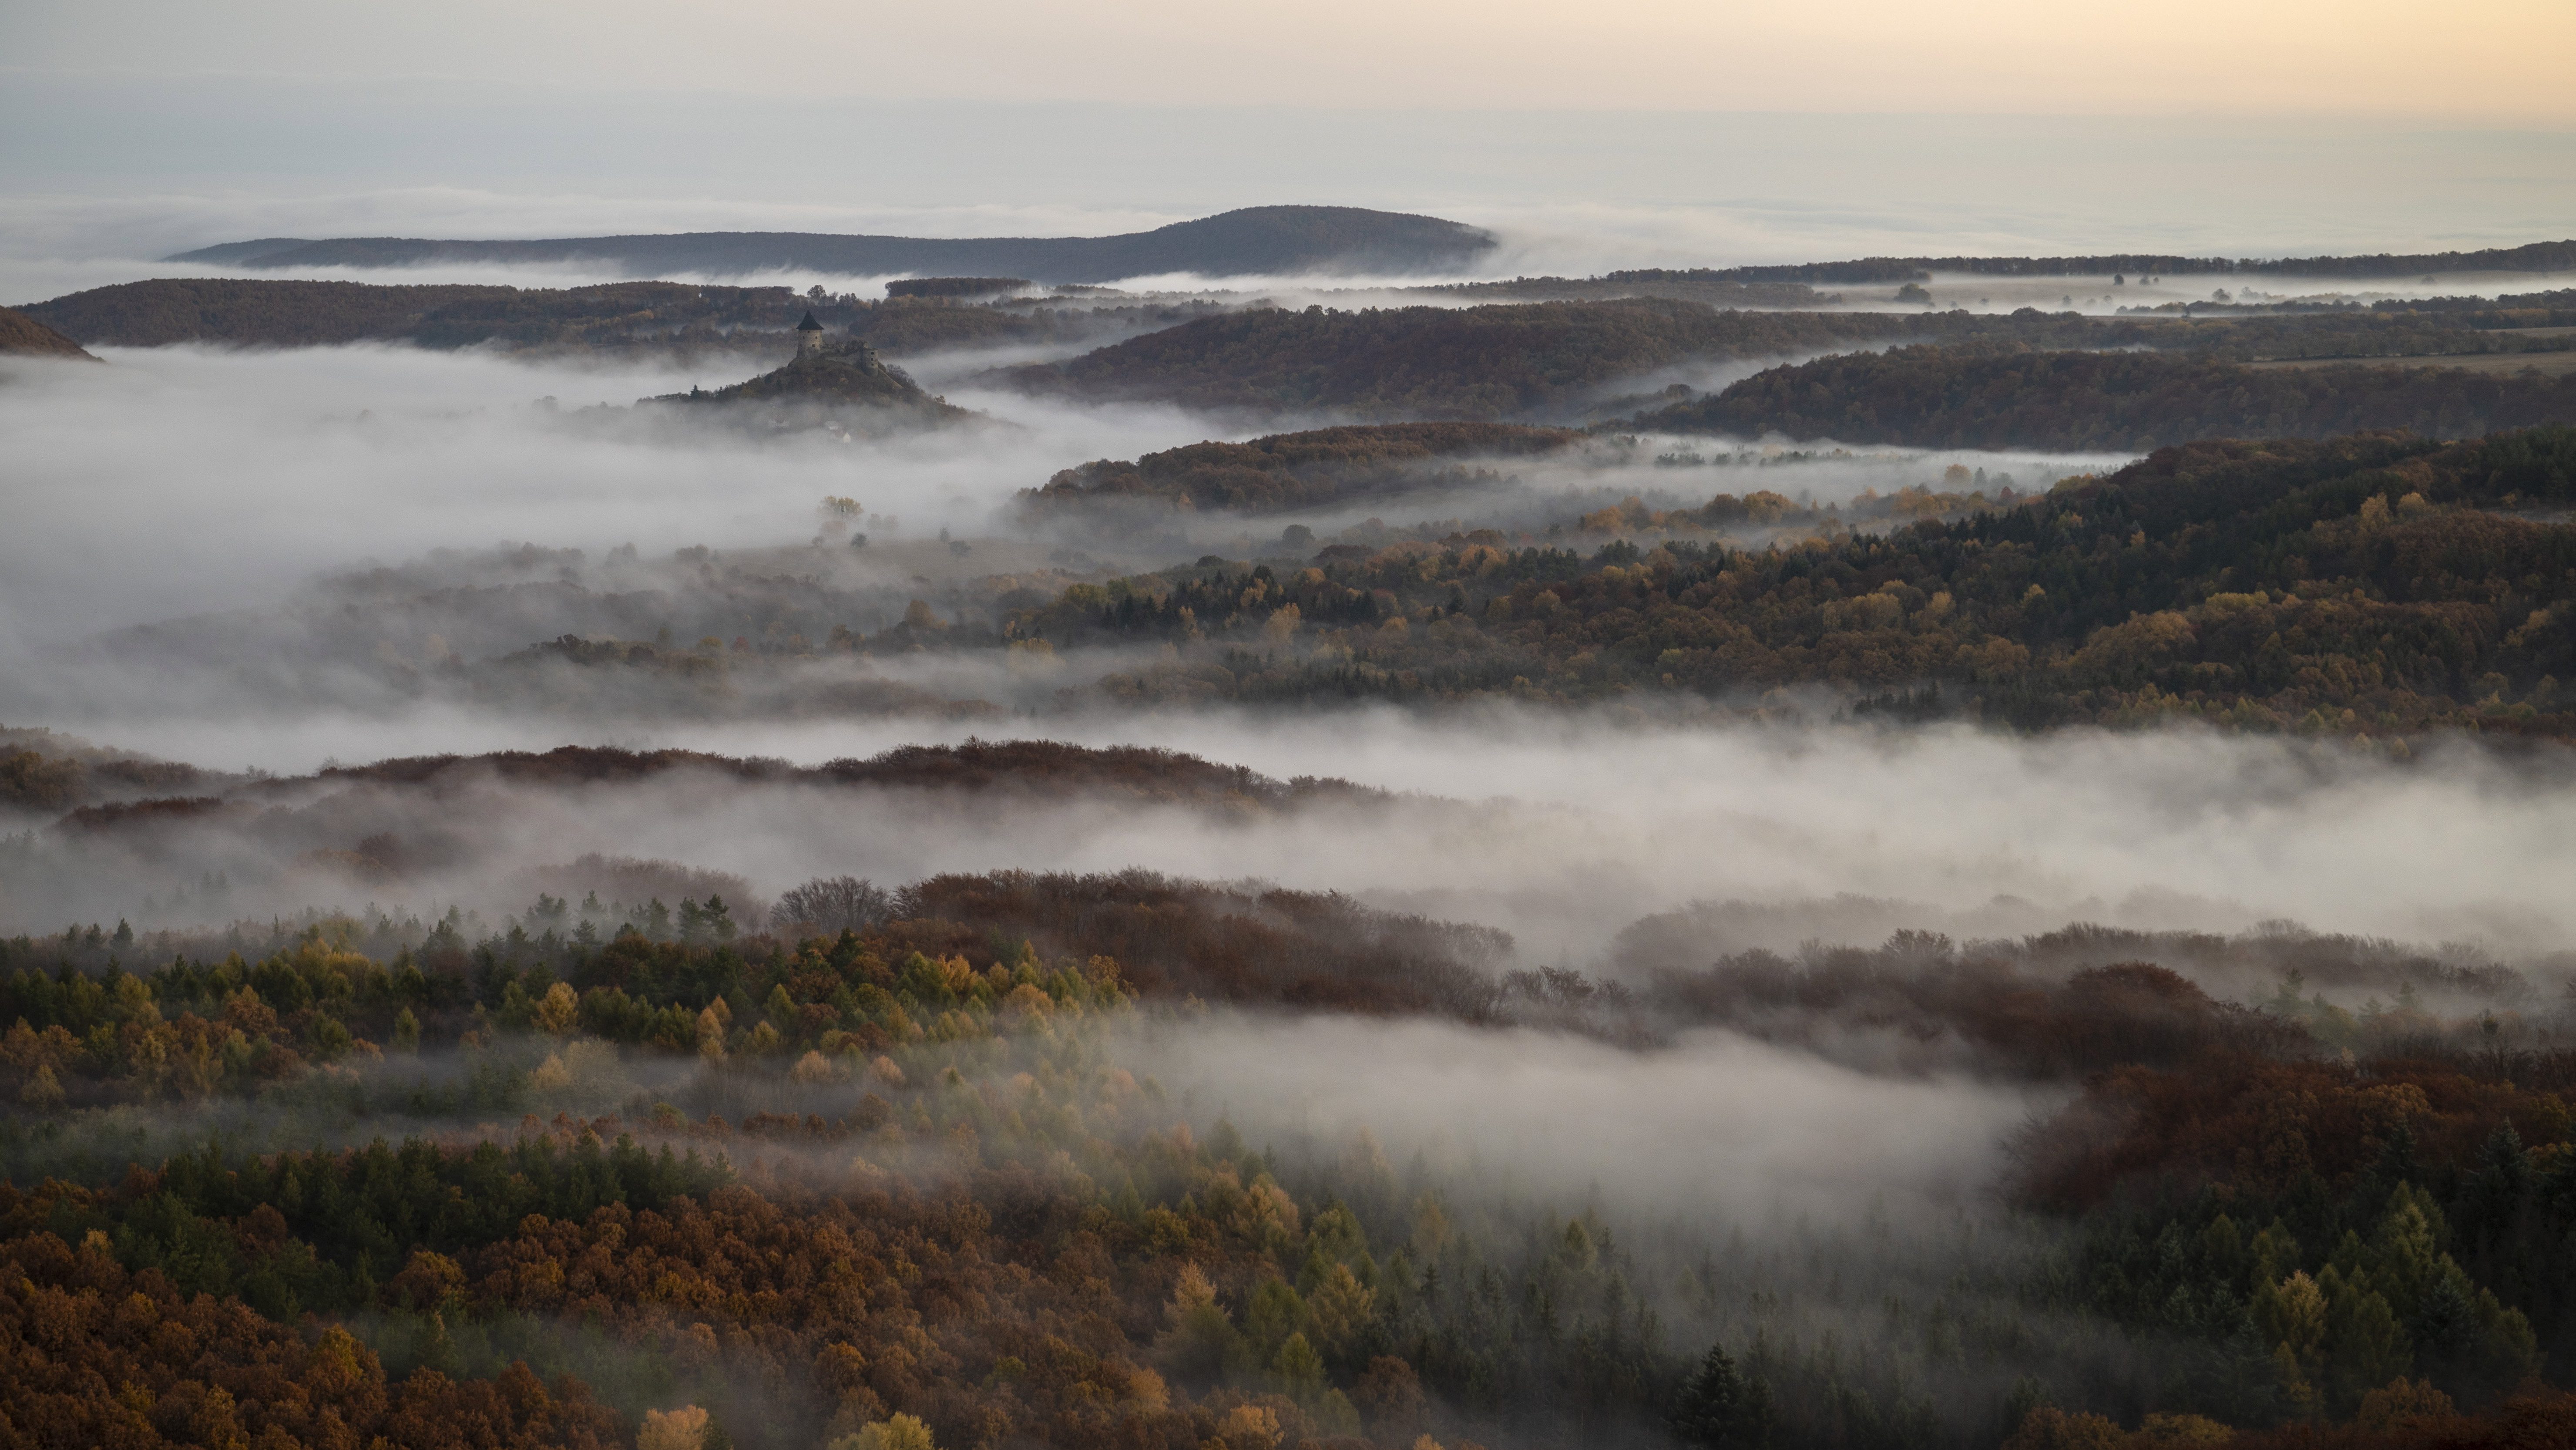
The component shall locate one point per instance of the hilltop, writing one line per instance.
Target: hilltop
(843, 383)
(1254, 240)
(24, 336)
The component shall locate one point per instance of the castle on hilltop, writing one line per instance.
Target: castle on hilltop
(826, 377)
(811, 343)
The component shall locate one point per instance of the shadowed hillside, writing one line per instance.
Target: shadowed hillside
(1296, 470)
(1515, 361)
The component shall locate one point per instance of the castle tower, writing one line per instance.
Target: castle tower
(809, 336)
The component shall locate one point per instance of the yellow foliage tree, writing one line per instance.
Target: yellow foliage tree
(1249, 1427)
(2177, 1432)
(1342, 1307)
(551, 1075)
(2292, 1315)
(44, 1090)
(682, 1429)
(558, 1010)
(2400, 1401)
(900, 1432)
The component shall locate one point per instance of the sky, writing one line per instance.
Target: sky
(2487, 60)
(1591, 136)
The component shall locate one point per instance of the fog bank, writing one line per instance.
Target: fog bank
(182, 480)
(1716, 1128)
(1558, 828)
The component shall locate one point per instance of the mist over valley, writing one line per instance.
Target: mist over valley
(805, 767)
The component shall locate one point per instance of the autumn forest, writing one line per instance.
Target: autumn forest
(1265, 833)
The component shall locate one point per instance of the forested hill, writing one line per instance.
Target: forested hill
(1551, 362)
(246, 312)
(24, 336)
(1254, 240)
(843, 382)
(735, 1263)
(2372, 584)
(1936, 397)
(273, 314)
(1297, 470)
(1527, 360)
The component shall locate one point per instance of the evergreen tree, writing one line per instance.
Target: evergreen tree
(1722, 1410)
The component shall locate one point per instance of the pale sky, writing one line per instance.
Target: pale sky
(2487, 61)
(1590, 135)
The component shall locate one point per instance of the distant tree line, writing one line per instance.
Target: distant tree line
(1933, 397)
(2530, 257)
(1549, 361)
(1493, 362)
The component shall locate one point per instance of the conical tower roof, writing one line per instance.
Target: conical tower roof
(809, 324)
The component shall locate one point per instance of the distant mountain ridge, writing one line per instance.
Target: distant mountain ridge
(2529, 257)
(1250, 241)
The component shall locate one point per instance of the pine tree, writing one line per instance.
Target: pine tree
(1719, 1409)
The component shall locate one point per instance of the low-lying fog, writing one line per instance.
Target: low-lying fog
(1715, 1128)
(181, 481)
(1560, 829)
